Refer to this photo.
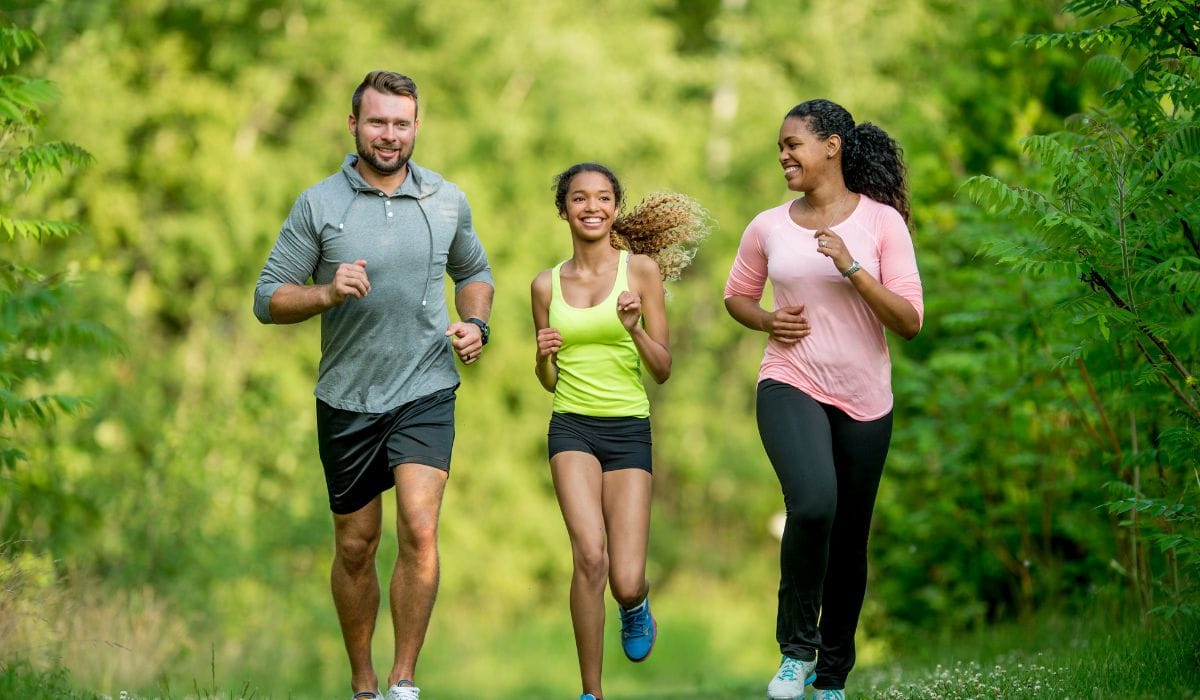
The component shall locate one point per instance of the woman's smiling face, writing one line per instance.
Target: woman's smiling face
(803, 154)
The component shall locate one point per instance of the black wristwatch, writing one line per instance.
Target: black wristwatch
(483, 327)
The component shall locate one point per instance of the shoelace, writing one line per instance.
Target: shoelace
(634, 623)
(834, 695)
(787, 671)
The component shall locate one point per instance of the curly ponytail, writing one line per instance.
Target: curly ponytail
(872, 161)
(668, 227)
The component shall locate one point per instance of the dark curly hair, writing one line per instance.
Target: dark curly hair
(666, 226)
(872, 161)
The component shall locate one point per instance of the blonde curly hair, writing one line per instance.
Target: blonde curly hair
(666, 226)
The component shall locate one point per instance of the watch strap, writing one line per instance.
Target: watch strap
(483, 328)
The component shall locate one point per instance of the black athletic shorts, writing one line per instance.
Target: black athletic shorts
(359, 450)
(618, 443)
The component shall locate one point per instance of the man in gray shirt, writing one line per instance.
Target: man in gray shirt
(377, 239)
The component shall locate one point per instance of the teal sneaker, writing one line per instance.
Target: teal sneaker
(587, 696)
(832, 694)
(790, 679)
(638, 631)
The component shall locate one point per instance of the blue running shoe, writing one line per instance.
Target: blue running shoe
(587, 696)
(790, 679)
(638, 631)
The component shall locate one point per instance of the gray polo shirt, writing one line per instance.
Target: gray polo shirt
(389, 347)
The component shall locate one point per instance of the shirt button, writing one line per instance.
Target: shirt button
(389, 214)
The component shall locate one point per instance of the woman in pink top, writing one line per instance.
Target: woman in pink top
(841, 265)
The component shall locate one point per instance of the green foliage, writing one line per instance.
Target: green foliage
(20, 679)
(33, 332)
(1090, 656)
(1163, 35)
(1116, 208)
(195, 480)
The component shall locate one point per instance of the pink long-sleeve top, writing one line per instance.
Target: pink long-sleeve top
(844, 362)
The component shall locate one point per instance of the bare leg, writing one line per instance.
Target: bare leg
(578, 484)
(356, 587)
(627, 522)
(419, 490)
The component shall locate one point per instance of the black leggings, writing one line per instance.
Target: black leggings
(829, 466)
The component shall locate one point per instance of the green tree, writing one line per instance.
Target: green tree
(34, 331)
(1114, 207)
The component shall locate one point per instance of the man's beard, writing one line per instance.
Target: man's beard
(381, 168)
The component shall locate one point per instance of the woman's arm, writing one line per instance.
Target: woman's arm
(645, 300)
(786, 324)
(895, 312)
(548, 339)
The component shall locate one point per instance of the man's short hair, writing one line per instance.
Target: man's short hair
(385, 81)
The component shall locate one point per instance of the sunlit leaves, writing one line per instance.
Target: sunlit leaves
(15, 43)
(1117, 207)
(33, 331)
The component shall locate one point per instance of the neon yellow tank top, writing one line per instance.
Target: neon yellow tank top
(599, 369)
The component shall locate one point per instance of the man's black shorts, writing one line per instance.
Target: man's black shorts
(617, 443)
(359, 450)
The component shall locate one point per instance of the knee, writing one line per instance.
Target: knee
(591, 563)
(628, 588)
(808, 511)
(356, 551)
(418, 538)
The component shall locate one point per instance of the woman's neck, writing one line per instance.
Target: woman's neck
(827, 200)
(594, 255)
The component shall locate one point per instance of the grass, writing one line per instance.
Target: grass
(1056, 657)
(1061, 658)
(19, 679)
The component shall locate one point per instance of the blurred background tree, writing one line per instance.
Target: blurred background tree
(182, 523)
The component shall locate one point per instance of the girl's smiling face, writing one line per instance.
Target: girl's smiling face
(590, 206)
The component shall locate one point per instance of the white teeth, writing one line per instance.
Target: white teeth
(791, 169)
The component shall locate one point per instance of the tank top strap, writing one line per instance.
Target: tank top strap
(621, 283)
(556, 284)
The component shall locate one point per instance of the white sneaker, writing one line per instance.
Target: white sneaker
(835, 694)
(403, 692)
(790, 679)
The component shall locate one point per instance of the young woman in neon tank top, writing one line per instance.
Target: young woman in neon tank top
(600, 317)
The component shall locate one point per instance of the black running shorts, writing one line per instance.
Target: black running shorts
(359, 450)
(618, 443)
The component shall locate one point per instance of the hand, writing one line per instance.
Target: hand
(549, 340)
(787, 324)
(349, 280)
(629, 309)
(833, 247)
(467, 339)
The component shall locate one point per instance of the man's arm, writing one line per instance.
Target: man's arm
(472, 300)
(281, 295)
(293, 303)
